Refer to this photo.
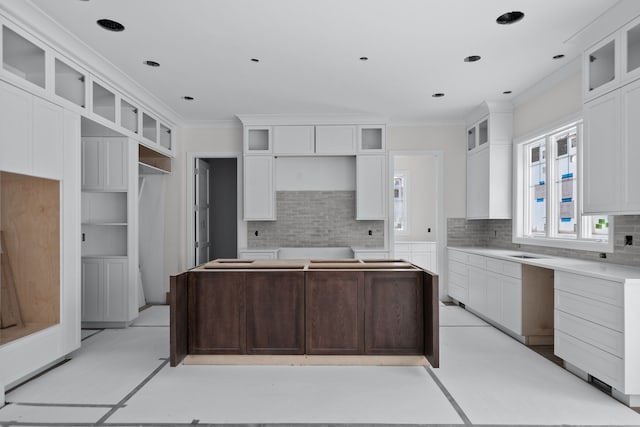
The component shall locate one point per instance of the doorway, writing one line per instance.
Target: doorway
(416, 223)
(215, 208)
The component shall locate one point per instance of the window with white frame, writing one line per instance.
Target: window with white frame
(548, 210)
(400, 202)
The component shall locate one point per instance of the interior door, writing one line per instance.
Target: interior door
(201, 211)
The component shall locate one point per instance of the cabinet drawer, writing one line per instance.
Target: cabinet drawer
(591, 333)
(591, 287)
(458, 293)
(458, 267)
(508, 268)
(458, 256)
(594, 311)
(458, 279)
(600, 364)
(477, 261)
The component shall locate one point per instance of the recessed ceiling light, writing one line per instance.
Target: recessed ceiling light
(255, 60)
(151, 63)
(560, 56)
(188, 98)
(364, 58)
(506, 92)
(110, 25)
(438, 95)
(510, 18)
(472, 58)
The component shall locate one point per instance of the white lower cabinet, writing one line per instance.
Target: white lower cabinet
(422, 254)
(477, 289)
(258, 253)
(105, 289)
(597, 329)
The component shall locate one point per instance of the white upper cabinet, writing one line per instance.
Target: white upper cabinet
(69, 83)
(293, 140)
(370, 187)
(631, 50)
(259, 188)
(371, 138)
(104, 164)
(488, 143)
(48, 138)
(339, 140)
(258, 140)
(23, 58)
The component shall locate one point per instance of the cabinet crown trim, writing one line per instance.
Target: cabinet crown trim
(308, 119)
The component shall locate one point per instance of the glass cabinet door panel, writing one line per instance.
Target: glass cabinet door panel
(633, 48)
(602, 65)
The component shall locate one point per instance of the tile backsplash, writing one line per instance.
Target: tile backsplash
(497, 233)
(315, 219)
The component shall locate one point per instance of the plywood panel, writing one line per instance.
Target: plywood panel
(537, 301)
(30, 218)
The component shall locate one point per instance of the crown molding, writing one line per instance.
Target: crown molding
(208, 124)
(308, 119)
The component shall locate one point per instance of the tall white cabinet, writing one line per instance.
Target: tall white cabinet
(109, 231)
(489, 134)
(611, 76)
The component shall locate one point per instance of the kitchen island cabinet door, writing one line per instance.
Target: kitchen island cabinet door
(394, 319)
(334, 312)
(275, 312)
(217, 313)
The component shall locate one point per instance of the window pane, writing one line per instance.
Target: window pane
(566, 151)
(595, 227)
(399, 203)
(537, 187)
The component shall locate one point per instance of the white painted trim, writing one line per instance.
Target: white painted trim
(305, 119)
(426, 123)
(441, 223)
(548, 128)
(208, 124)
(191, 156)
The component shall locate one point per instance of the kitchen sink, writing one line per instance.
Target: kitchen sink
(524, 256)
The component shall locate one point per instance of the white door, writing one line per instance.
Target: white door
(201, 210)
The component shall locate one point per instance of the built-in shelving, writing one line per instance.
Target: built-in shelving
(152, 162)
(128, 116)
(70, 83)
(149, 127)
(23, 58)
(104, 102)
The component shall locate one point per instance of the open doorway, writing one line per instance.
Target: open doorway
(415, 226)
(215, 208)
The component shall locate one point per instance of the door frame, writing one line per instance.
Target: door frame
(191, 157)
(441, 235)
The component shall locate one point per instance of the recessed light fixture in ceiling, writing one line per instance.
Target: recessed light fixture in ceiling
(364, 58)
(188, 98)
(510, 18)
(255, 60)
(110, 25)
(559, 56)
(472, 58)
(152, 63)
(438, 95)
(506, 92)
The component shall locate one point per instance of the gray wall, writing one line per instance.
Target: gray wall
(224, 208)
(315, 219)
(497, 233)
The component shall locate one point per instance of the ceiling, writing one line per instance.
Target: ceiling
(309, 52)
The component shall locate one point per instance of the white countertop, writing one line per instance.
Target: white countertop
(603, 270)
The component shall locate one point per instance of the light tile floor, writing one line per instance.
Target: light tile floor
(121, 377)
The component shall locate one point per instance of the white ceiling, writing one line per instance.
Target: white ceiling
(309, 52)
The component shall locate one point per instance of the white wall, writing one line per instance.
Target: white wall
(559, 101)
(151, 238)
(450, 140)
(422, 196)
(211, 140)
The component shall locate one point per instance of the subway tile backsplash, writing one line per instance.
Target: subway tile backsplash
(315, 219)
(497, 233)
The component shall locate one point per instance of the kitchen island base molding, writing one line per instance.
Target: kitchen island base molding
(305, 360)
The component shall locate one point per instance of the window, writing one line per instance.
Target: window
(549, 194)
(400, 202)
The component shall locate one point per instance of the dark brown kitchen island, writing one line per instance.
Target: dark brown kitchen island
(343, 308)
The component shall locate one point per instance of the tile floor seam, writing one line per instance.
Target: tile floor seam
(92, 335)
(449, 397)
(101, 421)
(64, 405)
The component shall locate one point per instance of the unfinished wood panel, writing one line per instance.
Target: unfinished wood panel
(30, 222)
(10, 314)
(334, 312)
(275, 312)
(537, 301)
(179, 315)
(431, 319)
(153, 158)
(216, 307)
(393, 313)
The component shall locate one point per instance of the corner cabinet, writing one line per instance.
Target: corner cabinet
(370, 185)
(488, 144)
